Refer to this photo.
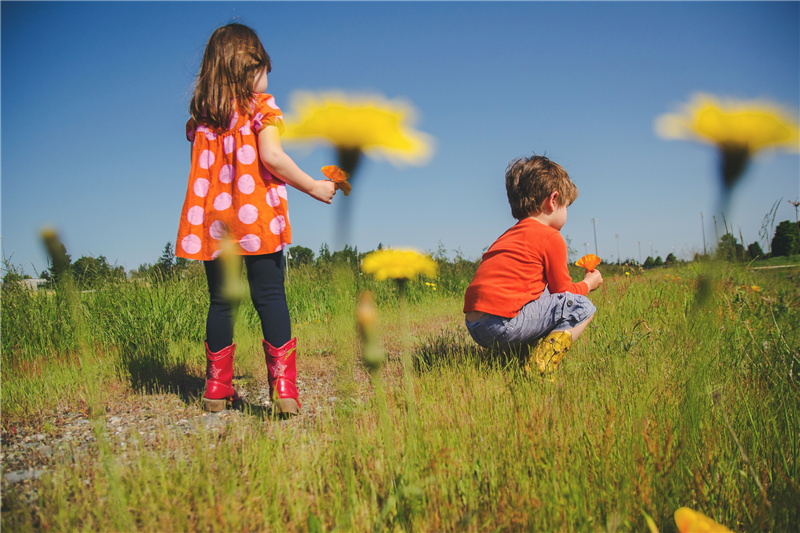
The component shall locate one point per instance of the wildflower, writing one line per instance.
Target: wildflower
(739, 129)
(689, 521)
(755, 288)
(431, 285)
(627, 273)
(372, 125)
(398, 264)
(589, 262)
(338, 177)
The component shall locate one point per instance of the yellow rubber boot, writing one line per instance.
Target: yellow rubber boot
(545, 357)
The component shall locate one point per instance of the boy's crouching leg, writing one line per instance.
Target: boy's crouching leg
(547, 354)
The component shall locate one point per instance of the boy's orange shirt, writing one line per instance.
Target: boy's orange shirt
(516, 269)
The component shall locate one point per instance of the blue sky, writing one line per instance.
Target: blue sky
(95, 97)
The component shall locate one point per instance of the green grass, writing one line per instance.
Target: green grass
(666, 401)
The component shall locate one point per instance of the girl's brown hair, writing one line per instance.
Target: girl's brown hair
(530, 180)
(233, 56)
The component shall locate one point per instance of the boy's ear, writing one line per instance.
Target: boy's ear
(551, 202)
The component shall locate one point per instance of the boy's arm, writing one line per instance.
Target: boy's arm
(556, 271)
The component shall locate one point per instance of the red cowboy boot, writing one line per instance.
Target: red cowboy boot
(219, 379)
(282, 373)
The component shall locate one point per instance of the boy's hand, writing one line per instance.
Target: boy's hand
(593, 279)
(323, 190)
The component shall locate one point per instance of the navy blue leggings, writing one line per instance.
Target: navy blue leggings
(265, 275)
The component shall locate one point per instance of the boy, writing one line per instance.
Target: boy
(522, 291)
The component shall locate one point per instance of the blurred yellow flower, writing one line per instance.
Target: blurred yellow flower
(689, 521)
(398, 264)
(737, 128)
(371, 124)
(755, 288)
(751, 125)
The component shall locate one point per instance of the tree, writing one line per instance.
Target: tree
(166, 261)
(90, 272)
(302, 255)
(755, 251)
(658, 262)
(324, 254)
(59, 262)
(348, 255)
(729, 249)
(671, 259)
(649, 263)
(787, 239)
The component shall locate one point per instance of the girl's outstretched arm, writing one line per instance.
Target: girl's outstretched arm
(283, 167)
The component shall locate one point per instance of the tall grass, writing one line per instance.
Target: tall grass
(666, 401)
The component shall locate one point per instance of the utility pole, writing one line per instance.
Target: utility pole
(703, 227)
(619, 256)
(716, 235)
(585, 248)
(595, 236)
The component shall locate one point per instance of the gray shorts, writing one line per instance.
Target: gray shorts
(538, 318)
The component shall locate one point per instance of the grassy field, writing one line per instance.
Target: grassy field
(682, 392)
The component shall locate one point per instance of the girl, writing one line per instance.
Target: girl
(237, 192)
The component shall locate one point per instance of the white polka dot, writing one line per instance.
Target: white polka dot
(229, 144)
(248, 213)
(245, 130)
(223, 201)
(282, 191)
(246, 184)
(195, 215)
(216, 254)
(271, 102)
(250, 243)
(191, 244)
(217, 230)
(277, 225)
(226, 173)
(280, 247)
(210, 136)
(234, 120)
(273, 200)
(246, 154)
(265, 175)
(200, 187)
(206, 159)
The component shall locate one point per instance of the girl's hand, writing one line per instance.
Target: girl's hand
(323, 190)
(593, 279)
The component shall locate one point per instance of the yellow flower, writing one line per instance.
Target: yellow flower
(372, 124)
(751, 125)
(398, 264)
(755, 288)
(738, 129)
(689, 521)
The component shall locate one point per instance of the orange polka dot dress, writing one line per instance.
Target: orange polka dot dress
(230, 192)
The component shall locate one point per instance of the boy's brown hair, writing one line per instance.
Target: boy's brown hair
(530, 180)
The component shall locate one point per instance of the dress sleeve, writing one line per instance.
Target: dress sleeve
(556, 271)
(266, 113)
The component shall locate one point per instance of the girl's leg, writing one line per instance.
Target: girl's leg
(219, 323)
(265, 275)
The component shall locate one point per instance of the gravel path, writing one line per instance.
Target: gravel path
(133, 420)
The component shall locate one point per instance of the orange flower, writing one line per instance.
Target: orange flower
(589, 262)
(339, 177)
